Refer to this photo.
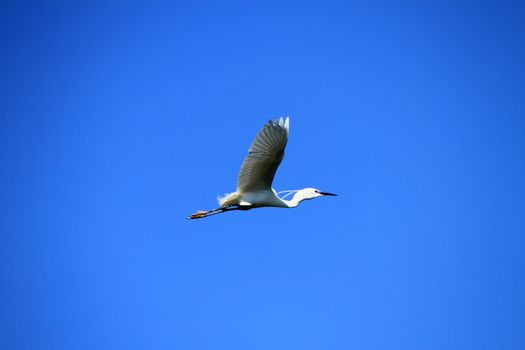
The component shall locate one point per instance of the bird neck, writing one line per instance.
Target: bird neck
(296, 199)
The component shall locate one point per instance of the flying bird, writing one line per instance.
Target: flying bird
(254, 183)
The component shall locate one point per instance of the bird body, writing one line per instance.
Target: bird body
(255, 199)
(254, 183)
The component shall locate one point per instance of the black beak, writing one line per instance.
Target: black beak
(327, 194)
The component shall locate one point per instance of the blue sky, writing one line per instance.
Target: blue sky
(117, 120)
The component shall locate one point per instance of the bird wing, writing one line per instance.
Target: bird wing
(264, 156)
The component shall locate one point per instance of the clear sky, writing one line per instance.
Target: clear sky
(118, 120)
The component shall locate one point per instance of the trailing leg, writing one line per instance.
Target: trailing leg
(206, 213)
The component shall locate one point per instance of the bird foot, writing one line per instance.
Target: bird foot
(198, 215)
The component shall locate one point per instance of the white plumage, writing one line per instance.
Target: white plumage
(254, 183)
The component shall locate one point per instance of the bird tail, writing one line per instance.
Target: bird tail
(227, 199)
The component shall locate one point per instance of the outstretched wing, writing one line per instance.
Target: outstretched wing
(264, 156)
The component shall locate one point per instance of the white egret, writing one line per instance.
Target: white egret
(254, 184)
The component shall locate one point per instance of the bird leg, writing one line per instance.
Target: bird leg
(204, 213)
(198, 215)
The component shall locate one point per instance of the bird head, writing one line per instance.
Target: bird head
(314, 193)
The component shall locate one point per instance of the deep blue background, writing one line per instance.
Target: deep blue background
(119, 120)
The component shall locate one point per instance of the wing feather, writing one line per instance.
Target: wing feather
(264, 156)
